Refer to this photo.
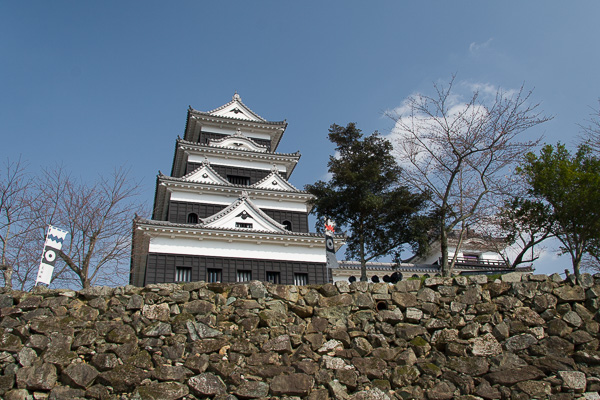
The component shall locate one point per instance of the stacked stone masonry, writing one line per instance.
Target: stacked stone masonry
(519, 337)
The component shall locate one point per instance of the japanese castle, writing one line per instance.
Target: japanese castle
(227, 212)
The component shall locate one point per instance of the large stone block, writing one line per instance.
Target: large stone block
(293, 384)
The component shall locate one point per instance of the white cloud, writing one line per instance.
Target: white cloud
(462, 92)
(475, 47)
(326, 177)
(486, 89)
(551, 261)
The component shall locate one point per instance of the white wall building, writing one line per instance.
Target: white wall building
(227, 212)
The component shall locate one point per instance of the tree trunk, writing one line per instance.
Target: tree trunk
(576, 267)
(7, 271)
(444, 248)
(86, 283)
(363, 263)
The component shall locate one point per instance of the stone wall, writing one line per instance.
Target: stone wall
(465, 338)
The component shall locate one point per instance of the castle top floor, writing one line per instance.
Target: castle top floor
(231, 119)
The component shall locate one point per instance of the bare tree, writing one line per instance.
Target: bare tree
(461, 152)
(98, 218)
(15, 221)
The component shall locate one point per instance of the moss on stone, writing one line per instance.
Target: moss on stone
(419, 341)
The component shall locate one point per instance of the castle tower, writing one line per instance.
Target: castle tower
(227, 212)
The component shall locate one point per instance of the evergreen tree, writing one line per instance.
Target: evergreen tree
(365, 197)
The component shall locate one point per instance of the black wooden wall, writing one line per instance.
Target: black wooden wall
(255, 175)
(206, 136)
(160, 268)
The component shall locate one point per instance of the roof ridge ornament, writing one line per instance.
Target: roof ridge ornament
(236, 97)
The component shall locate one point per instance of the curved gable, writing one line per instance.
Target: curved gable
(205, 174)
(243, 215)
(239, 142)
(236, 109)
(274, 181)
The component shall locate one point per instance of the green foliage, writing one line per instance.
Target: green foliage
(569, 185)
(365, 197)
(526, 222)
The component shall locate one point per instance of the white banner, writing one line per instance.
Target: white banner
(54, 241)
(330, 244)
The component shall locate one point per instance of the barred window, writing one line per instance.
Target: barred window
(273, 277)
(192, 218)
(300, 279)
(244, 276)
(183, 274)
(239, 180)
(246, 225)
(213, 275)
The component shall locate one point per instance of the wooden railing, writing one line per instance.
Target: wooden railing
(477, 262)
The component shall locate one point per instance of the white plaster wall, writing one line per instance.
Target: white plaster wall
(219, 248)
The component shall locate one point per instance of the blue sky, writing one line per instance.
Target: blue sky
(97, 85)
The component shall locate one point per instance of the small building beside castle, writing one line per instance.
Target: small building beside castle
(227, 212)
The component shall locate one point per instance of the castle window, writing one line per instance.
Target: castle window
(246, 225)
(239, 180)
(273, 277)
(300, 279)
(288, 225)
(471, 257)
(183, 274)
(192, 218)
(244, 276)
(213, 275)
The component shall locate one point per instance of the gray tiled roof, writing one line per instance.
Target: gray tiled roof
(167, 224)
(263, 121)
(187, 142)
(232, 185)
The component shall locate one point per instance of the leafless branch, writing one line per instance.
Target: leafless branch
(461, 152)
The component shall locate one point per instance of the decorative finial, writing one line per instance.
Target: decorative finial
(236, 96)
